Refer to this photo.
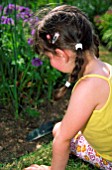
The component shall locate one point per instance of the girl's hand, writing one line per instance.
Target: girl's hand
(38, 167)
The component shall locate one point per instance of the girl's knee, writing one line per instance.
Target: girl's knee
(56, 128)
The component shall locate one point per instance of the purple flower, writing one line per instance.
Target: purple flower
(9, 9)
(11, 6)
(24, 15)
(23, 9)
(5, 20)
(33, 31)
(36, 62)
(26, 20)
(30, 41)
(33, 20)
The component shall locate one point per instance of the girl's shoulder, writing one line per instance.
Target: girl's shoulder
(93, 87)
(90, 81)
(96, 78)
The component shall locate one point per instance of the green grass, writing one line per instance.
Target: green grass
(43, 155)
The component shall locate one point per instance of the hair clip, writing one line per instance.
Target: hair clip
(78, 45)
(67, 84)
(55, 37)
(48, 36)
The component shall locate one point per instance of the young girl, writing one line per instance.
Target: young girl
(66, 37)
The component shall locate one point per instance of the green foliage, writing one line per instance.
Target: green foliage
(91, 8)
(33, 4)
(22, 85)
(104, 24)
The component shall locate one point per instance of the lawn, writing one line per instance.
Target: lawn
(43, 156)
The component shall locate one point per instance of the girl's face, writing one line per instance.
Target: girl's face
(61, 62)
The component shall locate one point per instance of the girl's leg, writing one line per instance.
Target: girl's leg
(81, 148)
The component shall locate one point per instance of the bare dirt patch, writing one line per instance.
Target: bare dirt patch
(13, 132)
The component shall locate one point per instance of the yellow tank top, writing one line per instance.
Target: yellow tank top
(98, 130)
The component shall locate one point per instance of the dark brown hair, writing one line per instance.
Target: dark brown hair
(73, 27)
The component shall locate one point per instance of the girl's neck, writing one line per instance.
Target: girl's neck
(94, 65)
(89, 64)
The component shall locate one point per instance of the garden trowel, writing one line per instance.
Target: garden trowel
(44, 129)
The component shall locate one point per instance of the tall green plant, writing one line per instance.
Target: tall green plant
(22, 84)
(9, 40)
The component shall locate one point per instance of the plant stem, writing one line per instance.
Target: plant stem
(14, 41)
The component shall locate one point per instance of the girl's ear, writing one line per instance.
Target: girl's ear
(62, 54)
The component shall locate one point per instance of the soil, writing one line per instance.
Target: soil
(13, 132)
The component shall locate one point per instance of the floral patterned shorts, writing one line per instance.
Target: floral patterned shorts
(81, 148)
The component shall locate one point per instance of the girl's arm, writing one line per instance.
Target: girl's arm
(82, 103)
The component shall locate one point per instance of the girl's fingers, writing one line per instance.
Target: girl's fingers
(45, 167)
(37, 167)
(33, 167)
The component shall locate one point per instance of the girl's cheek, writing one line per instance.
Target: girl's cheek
(56, 65)
(53, 64)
